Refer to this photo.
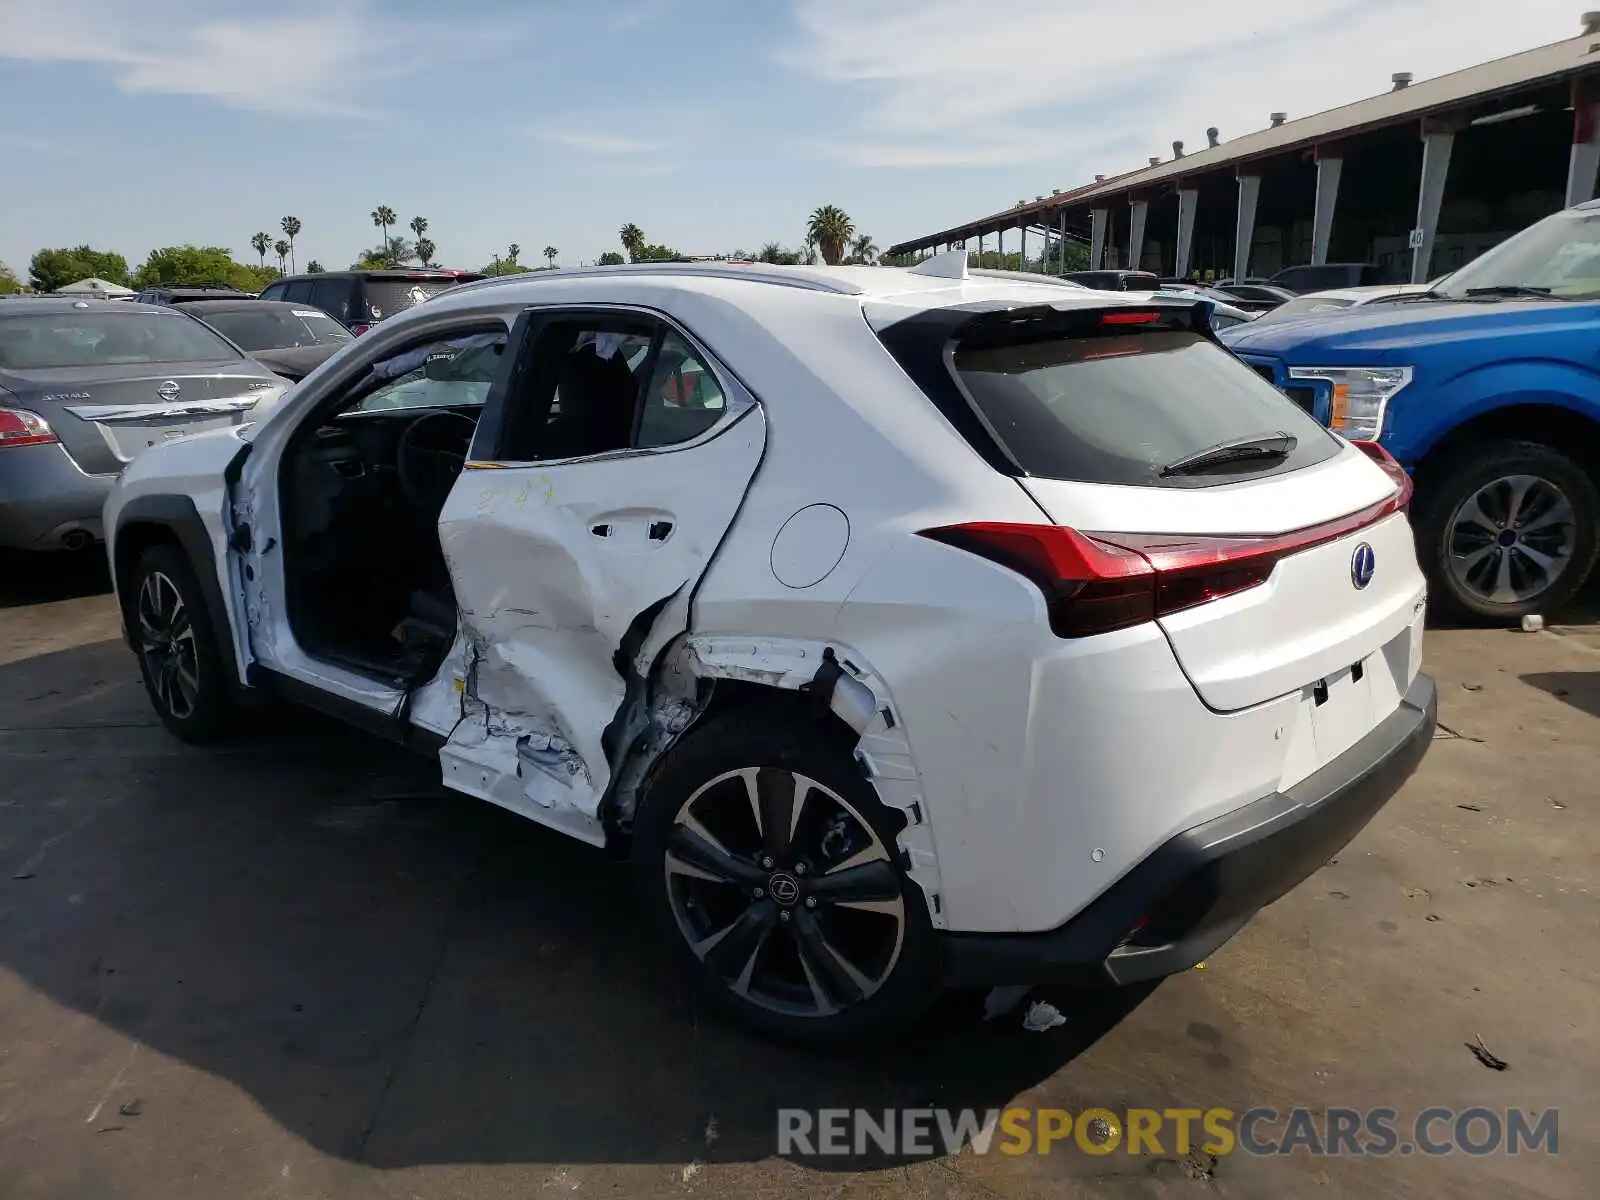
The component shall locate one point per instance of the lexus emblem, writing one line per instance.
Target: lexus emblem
(783, 888)
(1362, 565)
(169, 390)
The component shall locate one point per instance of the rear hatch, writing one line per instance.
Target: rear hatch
(1275, 552)
(112, 384)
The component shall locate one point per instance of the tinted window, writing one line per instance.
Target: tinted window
(298, 292)
(385, 297)
(683, 399)
(1118, 407)
(278, 328)
(273, 291)
(331, 296)
(83, 339)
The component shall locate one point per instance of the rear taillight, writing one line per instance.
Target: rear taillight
(358, 330)
(19, 427)
(1391, 468)
(1098, 582)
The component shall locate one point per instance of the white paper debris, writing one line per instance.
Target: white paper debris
(1002, 1000)
(1042, 1017)
(1532, 623)
(691, 1170)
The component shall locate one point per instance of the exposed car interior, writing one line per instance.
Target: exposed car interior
(363, 485)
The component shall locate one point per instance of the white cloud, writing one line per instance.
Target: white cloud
(598, 143)
(968, 82)
(303, 57)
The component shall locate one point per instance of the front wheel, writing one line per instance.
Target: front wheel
(1507, 530)
(771, 868)
(172, 635)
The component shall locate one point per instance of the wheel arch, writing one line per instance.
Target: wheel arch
(1558, 426)
(147, 521)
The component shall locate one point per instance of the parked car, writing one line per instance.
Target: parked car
(1257, 297)
(360, 299)
(290, 339)
(905, 627)
(1116, 281)
(1321, 277)
(1223, 314)
(1484, 387)
(1323, 303)
(85, 385)
(187, 293)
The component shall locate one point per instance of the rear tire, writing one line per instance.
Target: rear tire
(1506, 530)
(771, 870)
(176, 645)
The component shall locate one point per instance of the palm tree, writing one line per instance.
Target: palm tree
(425, 249)
(314, 267)
(262, 242)
(511, 253)
(831, 229)
(632, 240)
(551, 253)
(383, 217)
(864, 250)
(281, 248)
(291, 230)
(419, 226)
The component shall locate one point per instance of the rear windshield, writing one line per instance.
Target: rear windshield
(98, 339)
(279, 328)
(1119, 407)
(385, 297)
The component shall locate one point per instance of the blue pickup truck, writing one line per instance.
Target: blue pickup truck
(1487, 389)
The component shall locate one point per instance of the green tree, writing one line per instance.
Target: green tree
(863, 250)
(291, 230)
(262, 242)
(281, 249)
(191, 264)
(314, 267)
(425, 249)
(512, 253)
(388, 254)
(632, 238)
(10, 285)
(778, 255)
(505, 266)
(611, 259)
(383, 217)
(419, 226)
(551, 254)
(52, 269)
(831, 229)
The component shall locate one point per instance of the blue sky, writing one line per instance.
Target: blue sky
(713, 124)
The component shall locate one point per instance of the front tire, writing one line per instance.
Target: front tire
(770, 867)
(1507, 530)
(173, 637)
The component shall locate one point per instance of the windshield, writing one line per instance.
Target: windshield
(1303, 306)
(279, 328)
(1560, 254)
(98, 339)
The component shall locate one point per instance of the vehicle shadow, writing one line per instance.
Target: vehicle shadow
(1581, 689)
(41, 578)
(399, 975)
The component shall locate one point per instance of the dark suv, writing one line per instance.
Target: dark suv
(360, 299)
(1323, 277)
(185, 293)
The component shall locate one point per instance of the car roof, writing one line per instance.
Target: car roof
(243, 304)
(378, 273)
(62, 304)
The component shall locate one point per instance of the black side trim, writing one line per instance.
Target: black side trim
(1196, 890)
(380, 724)
(179, 517)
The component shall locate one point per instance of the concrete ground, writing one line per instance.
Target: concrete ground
(293, 968)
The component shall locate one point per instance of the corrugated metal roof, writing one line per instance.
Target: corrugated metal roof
(1542, 64)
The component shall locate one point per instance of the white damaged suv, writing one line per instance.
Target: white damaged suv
(908, 628)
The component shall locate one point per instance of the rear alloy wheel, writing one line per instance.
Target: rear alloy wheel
(172, 635)
(1508, 532)
(777, 879)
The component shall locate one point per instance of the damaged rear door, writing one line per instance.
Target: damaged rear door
(610, 462)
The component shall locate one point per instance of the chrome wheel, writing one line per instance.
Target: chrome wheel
(785, 892)
(167, 645)
(1511, 540)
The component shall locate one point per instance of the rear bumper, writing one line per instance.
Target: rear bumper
(45, 500)
(1199, 888)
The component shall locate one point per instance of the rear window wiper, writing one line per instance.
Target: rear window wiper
(1260, 445)
(1509, 289)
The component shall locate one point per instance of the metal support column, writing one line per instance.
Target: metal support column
(1585, 160)
(1098, 220)
(1022, 254)
(1328, 171)
(1061, 241)
(1138, 210)
(1000, 245)
(1437, 142)
(1188, 201)
(1244, 230)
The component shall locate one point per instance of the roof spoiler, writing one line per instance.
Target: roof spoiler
(952, 264)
